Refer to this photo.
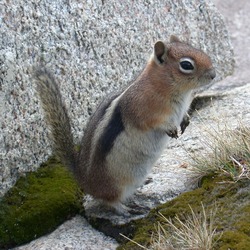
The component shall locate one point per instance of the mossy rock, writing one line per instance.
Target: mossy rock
(232, 219)
(37, 204)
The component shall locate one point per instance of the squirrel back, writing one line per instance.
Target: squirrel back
(128, 131)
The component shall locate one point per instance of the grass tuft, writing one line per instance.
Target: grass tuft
(194, 231)
(228, 152)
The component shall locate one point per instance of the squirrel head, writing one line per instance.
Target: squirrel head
(183, 65)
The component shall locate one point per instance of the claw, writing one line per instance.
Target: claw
(172, 133)
(185, 122)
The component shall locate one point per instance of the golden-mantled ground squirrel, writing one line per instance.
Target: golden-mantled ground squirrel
(128, 131)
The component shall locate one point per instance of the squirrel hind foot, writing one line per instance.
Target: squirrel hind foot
(123, 210)
(120, 209)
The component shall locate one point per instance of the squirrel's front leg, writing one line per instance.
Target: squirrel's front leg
(185, 122)
(172, 133)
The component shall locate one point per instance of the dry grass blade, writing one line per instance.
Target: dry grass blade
(195, 232)
(136, 243)
(161, 240)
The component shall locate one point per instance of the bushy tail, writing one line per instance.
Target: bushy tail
(57, 117)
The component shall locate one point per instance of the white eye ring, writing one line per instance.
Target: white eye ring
(187, 65)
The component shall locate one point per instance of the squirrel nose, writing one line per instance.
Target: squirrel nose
(212, 73)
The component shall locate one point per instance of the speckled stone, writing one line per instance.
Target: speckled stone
(75, 234)
(93, 47)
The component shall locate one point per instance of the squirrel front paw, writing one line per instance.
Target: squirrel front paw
(185, 122)
(173, 133)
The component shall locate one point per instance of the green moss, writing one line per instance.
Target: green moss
(232, 218)
(37, 204)
(234, 240)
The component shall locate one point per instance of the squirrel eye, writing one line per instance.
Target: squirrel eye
(187, 65)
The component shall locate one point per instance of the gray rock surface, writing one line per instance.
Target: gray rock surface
(236, 14)
(93, 47)
(74, 234)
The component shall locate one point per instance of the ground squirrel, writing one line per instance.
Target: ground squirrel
(128, 131)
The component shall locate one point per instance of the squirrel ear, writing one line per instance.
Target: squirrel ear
(174, 39)
(159, 51)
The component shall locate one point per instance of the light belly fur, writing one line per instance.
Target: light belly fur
(133, 156)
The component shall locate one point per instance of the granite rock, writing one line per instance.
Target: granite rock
(73, 234)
